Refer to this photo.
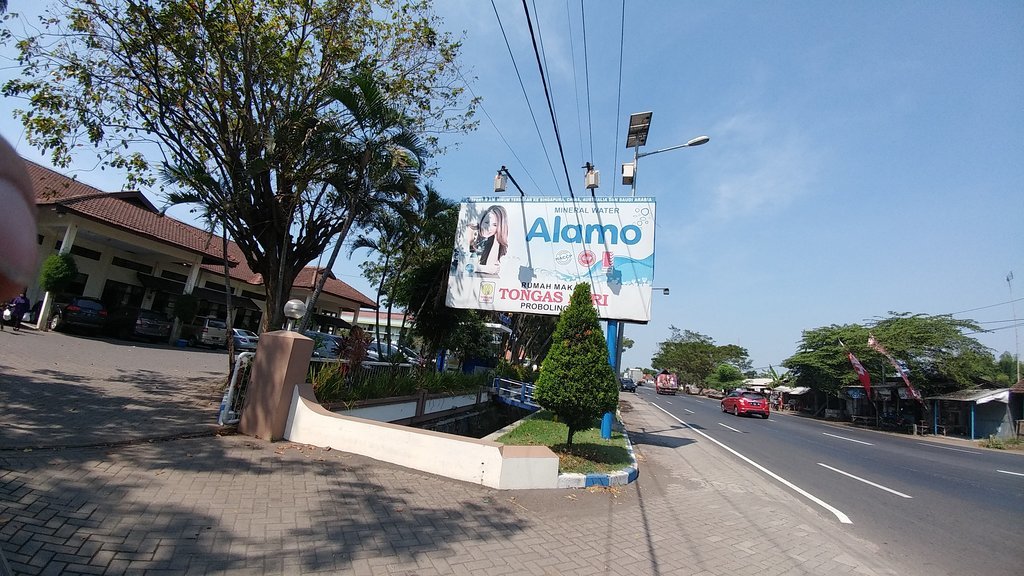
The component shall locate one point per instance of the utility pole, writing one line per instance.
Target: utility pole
(1016, 330)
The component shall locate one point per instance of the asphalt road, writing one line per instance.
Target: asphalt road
(947, 505)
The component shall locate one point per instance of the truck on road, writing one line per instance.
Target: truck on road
(666, 383)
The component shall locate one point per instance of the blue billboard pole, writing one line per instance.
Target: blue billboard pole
(612, 334)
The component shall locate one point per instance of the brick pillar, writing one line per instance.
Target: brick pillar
(281, 362)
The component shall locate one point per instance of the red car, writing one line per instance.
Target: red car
(743, 402)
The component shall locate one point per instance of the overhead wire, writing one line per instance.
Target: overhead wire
(575, 85)
(586, 73)
(547, 94)
(536, 125)
(618, 99)
(500, 135)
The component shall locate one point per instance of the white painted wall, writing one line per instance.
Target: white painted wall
(467, 459)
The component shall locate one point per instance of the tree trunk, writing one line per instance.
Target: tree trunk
(229, 321)
(322, 279)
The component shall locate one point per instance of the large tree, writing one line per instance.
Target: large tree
(936, 349)
(238, 95)
(693, 356)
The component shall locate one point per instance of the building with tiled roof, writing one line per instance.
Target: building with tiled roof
(131, 254)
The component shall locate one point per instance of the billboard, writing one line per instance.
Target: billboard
(528, 254)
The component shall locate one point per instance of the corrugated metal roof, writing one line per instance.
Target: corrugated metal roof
(975, 395)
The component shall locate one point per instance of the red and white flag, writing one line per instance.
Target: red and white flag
(865, 378)
(901, 367)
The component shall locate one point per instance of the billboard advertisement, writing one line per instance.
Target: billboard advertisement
(528, 254)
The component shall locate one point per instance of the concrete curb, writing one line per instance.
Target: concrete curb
(619, 478)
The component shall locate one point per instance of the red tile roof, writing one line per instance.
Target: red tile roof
(132, 212)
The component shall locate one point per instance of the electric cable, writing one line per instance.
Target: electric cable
(586, 73)
(618, 99)
(575, 86)
(547, 94)
(501, 135)
(525, 96)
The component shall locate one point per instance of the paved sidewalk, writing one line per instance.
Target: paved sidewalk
(237, 505)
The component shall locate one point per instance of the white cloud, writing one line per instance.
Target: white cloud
(762, 167)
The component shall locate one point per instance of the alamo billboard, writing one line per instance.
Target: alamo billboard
(528, 254)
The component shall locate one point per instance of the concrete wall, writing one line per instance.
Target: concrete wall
(467, 459)
(403, 410)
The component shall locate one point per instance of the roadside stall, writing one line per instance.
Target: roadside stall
(975, 413)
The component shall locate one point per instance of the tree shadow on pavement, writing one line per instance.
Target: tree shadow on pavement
(52, 408)
(234, 503)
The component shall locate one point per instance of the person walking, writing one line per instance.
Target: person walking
(19, 306)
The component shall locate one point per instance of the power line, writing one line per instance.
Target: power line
(544, 55)
(586, 73)
(618, 100)
(526, 97)
(575, 86)
(984, 307)
(500, 135)
(547, 94)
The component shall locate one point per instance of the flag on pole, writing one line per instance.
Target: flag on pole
(862, 374)
(899, 365)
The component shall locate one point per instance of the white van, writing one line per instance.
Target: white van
(205, 331)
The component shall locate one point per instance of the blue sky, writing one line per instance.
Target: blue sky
(865, 157)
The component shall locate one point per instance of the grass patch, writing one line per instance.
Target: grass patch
(1002, 443)
(589, 453)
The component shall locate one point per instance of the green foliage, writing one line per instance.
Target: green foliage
(1006, 370)
(336, 382)
(590, 453)
(694, 356)
(57, 272)
(939, 355)
(517, 372)
(725, 377)
(248, 104)
(998, 443)
(576, 382)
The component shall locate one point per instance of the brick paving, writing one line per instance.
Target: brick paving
(236, 505)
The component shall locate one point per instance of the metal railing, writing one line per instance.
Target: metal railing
(234, 397)
(515, 393)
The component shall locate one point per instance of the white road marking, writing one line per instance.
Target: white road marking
(868, 482)
(687, 410)
(698, 401)
(947, 448)
(838, 514)
(848, 439)
(729, 427)
(1008, 472)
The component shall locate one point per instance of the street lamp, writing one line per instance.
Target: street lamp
(636, 136)
(293, 310)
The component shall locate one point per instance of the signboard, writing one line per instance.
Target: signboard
(528, 254)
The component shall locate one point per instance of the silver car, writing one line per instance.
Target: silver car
(244, 339)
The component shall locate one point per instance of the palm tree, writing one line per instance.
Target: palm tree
(377, 161)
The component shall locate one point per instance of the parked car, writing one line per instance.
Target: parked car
(324, 345)
(127, 323)
(205, 331)
(383, 352)
(741, 402)
(80, 312)
(245, 340)
(627, 384)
